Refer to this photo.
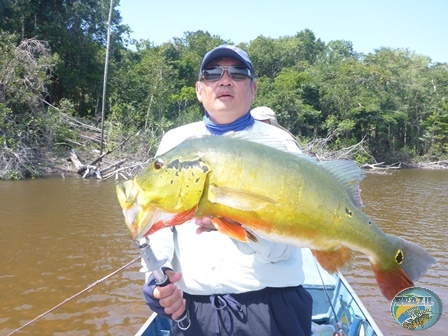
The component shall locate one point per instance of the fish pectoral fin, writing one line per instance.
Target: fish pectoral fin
(232, 229)
(238, 198)
(334, 260)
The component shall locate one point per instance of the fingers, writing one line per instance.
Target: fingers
(173, 276)
(203, 221)
(170, 296)
(205, 225)
(178, 313)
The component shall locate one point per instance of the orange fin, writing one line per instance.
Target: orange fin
(182, 217)
(333, 260)
(391, 282)
(233, 229)
(178, 219)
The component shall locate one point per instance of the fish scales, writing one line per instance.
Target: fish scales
(247, 187)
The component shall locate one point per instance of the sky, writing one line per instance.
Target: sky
(421, 26)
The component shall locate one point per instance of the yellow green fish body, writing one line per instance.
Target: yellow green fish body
(251, 188)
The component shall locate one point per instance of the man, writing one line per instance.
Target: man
(229, 287)
(264, 114)
(267, 115)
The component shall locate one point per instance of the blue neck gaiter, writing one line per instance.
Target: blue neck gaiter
(237, 125)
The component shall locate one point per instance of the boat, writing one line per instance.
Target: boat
(336, 306)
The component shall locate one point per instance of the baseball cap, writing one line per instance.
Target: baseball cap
(227, 50)
(264, 113)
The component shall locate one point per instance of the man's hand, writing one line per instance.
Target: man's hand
(168, 300)
(205, 225)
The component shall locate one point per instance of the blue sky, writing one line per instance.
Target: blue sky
(418, 25)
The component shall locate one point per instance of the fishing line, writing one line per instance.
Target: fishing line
(328, 297)
(77, 294)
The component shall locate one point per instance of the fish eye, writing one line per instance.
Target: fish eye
(158, 164)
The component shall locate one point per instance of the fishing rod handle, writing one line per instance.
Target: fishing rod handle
(184, 320)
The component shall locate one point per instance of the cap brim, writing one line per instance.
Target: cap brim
(221, 53)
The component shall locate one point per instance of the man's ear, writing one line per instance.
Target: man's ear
(254, 87)
(199, 91)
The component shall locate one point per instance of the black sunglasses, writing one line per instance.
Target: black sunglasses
(236, 73)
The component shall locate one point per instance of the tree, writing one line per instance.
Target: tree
(27, 129)
(76, 31)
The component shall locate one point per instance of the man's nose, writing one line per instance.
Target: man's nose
(225, 77)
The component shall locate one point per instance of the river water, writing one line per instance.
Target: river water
(59, 237)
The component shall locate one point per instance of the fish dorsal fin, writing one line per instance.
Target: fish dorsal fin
(349, 174)
(238, 198)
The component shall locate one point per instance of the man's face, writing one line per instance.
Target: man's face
(226, 99)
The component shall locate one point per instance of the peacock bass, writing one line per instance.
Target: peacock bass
(247, 187)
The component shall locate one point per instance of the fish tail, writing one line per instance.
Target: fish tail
(391, 282)
(410, 262)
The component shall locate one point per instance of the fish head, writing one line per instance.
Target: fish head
(165, 193)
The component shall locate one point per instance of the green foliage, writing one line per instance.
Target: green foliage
(393, 99)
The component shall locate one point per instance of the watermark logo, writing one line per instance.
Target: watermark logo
(416, 308)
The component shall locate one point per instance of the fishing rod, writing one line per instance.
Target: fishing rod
(75, 295)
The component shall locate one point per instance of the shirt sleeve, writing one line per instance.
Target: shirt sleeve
(266, 251)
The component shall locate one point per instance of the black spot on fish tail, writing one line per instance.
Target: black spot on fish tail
(348, 212)
(399, 257)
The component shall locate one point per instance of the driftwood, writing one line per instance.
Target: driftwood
(319, 148)
(381, 166)
(93, 169)
(441, 164)
(88, 170)
(126, 172)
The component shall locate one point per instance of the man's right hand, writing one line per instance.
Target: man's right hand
(168, 300)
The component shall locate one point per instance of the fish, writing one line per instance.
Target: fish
(418, 321)
(249, 185)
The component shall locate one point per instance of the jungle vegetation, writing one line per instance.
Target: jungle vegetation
(52, 61)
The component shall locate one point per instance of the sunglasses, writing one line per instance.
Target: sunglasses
(236, 73)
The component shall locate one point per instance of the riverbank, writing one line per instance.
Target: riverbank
(89, 163)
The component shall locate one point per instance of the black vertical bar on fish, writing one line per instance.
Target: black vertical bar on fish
(155, 266)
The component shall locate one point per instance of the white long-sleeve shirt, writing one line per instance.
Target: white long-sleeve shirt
(213, 263)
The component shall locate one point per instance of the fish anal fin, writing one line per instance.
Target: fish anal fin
(391, 282)
(334, 260)
(232, 229)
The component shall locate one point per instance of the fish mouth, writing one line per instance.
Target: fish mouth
(141, 218)
(135, 215)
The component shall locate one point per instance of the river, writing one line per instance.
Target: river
(59, 237)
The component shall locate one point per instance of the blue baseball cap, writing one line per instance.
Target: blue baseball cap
(227, 50)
